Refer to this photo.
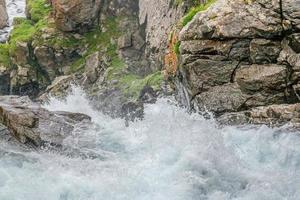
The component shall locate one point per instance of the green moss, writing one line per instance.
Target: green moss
(38, 9)
(23, 32)
(4, 55)
(194, 10)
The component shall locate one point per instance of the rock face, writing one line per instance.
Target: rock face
(78, 15)
(3, 14)
(31, 124)
(243, 56)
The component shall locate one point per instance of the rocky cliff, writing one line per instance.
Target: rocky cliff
(225, 56)
(239, 55)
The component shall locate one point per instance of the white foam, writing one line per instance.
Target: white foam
(170, 155)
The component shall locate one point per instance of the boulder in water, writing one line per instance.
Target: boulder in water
(34, 125)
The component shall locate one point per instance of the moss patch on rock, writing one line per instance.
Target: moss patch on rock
(194, 10)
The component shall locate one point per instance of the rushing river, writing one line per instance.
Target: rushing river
(170, 155)
(15, 8)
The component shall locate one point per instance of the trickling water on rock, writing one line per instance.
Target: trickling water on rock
(15, 8)
(170, 155)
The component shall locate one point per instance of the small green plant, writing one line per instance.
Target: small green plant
(194, 10)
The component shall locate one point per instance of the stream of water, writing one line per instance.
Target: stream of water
(170, 155)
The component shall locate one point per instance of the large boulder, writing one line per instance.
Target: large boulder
(76, 15)
(32, 124)
(3, 14)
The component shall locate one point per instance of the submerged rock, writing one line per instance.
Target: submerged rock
(32, 124)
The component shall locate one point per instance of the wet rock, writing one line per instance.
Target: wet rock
(31, 124)
(264, 51)
(273, 115)
(235, 19)
(76, 15)
(59, 88)
(220, 99)
(3, 14)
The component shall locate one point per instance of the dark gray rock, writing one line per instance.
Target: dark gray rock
(220, 99)
(264, 51)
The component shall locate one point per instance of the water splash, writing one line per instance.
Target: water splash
(170, 155)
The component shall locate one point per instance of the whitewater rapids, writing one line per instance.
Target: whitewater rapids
(170, 155)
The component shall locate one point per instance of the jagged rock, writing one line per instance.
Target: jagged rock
(76, 15)
(46, 59)
(31, 124)
(291, 12)
(3, 14)
(274, 115)
(59, 88)
(125, 41)
(264, 51)
(235, 19)
(288, 55)
(253, 78)
(202, 74)
(294, 41)
(94, 65)
(220, 99)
